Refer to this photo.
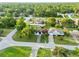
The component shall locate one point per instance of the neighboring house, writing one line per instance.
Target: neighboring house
(53, 31)
(41, 25)
(37, 22)
(75, 34)
(42, 31)
(71, 14)
(76, 20)
(28, 18)
(25, 18)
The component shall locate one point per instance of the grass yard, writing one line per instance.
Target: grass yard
(63, 52)
(67, 40)
(5, 32)
(44, 38)
(32, 38)
(16, 52)
(44, 53)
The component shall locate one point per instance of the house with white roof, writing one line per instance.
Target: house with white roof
(53, 31)
(75, 35)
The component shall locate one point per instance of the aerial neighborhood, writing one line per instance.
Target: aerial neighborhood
(39, 30)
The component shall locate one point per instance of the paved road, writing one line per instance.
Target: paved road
(8, 42)
(3, 45)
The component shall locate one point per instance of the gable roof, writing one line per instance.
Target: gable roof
(55, 31)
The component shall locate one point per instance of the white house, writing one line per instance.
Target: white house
(75, 35)
(53, 31)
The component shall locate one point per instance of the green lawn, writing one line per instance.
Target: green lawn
(67, 40)
(16, 52)
(44, 38)
(32, 38)
(5, 32)
(63, 52)
(44, 53)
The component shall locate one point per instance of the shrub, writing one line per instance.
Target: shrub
(51, 21)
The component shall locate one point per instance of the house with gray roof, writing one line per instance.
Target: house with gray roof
(53, 31)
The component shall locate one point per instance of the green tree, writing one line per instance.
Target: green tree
(20, 24)
(7, 22)
(51, 21)
(67, 23)
(76, 52)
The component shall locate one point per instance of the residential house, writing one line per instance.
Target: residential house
(53, 31)
(75, 34)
